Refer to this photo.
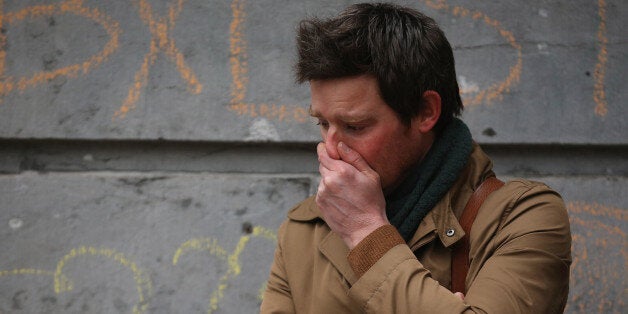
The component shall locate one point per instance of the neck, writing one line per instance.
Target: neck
(413, 168)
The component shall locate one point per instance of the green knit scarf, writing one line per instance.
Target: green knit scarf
(428, 182)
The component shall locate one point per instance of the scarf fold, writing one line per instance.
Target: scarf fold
(427, 183)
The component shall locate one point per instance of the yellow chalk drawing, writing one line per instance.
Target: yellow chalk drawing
(600, 256)
(232, 260)
(63, 284)
(10, 83)
(495, 91)
(239, 73)
(260, 292)
(142, 281)
(599, 96)
(160, 41)
(26, 271)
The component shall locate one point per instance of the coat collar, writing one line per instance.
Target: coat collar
(332, 246)
(442, 221)
(305, 211)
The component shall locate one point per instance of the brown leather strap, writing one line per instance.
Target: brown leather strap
(460, 254)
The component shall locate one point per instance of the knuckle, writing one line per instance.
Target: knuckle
(375, 176)
(318, 200)
(343, 172)
(346, 172)
(321, 188)
(355, 157)
(328, 181)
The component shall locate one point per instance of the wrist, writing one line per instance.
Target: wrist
(353, 239)
(372, 248)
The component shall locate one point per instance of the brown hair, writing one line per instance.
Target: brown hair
(404, 49)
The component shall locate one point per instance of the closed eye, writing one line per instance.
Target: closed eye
(355, 127)
(322, 123)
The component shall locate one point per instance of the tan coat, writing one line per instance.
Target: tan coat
(520, 257)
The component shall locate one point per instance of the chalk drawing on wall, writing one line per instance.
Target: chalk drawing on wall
(600, 253)
(9, 84)
(239, 73)
(232, 260)
(496, 90)
(599, 94)
(161, 40)
(63, 284)
(600, 257)
(281, 112)
(143, 283)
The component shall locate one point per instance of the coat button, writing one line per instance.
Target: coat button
(450, 232)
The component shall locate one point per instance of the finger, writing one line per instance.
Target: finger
(353, 158)
(321, 151)
(324, 171)
(323, 159)
(460, 295)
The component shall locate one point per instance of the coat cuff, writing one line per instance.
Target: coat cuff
(372, 248)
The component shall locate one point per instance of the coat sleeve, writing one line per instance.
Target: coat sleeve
(524, 267)
(277, 297)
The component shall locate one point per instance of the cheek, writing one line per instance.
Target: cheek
(390, 160)
(384, 152)
(378, 154)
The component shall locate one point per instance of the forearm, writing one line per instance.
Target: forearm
(398, 283)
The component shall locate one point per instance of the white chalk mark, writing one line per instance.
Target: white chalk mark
(262, 130)
(543, 13)
(467, 86)
(16, 223)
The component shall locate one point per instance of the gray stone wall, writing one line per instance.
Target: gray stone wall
(150, 149)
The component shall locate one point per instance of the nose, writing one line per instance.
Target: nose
(331, 139)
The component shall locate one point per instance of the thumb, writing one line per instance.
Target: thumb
(352, 157)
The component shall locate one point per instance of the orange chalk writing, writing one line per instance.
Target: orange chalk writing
(495, 91)
(599, 96)
(160, 41)
(239, 72)
(600, 257)
(10, 83)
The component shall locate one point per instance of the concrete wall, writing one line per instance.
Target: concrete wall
(150, 149)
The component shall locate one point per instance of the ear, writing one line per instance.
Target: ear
(429, 114)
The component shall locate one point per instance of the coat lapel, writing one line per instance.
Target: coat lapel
(336, 251)
(332, 246)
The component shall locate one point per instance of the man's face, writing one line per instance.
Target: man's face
(351, 110)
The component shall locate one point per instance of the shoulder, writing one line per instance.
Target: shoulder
(522, 207)
(520, 196)
(519, 193)
(526, 209)
(305, 211)
(303, 222)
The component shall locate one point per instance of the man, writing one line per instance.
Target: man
(397, 169)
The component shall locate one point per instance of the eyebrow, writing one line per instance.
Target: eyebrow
(357, 118)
